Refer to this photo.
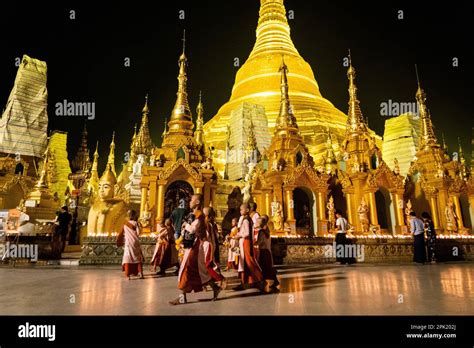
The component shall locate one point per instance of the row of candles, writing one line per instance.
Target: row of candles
(295, 236)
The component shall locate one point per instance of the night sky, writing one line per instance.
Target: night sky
(85, 58)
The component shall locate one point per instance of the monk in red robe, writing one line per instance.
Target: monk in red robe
(212, 257)
(249, 270)
(194, 271)
(265, 258)
(165, 255)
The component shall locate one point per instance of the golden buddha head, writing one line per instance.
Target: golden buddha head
(107, 184)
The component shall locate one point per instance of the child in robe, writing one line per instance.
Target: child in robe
(232, 246)
(165, 255)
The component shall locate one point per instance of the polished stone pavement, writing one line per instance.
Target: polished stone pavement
(407, 289)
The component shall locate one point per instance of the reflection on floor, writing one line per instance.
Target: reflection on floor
(305, 290)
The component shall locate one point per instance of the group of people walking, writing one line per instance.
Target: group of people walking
(194, 249)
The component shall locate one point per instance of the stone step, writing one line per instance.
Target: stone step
(70, 255)
(72, 249)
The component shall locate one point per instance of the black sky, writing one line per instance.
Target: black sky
(85, 57)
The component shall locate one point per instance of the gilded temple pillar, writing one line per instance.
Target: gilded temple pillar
(290, 208)
(268, 202)
(434, 211)
(457, 207)
(322, 224)
(213, 195)
(471, 210)
(152, 199)
(399, 213)
(372, 208)
(322, 206)
(350, 216)
(143, 198)
(160, 204)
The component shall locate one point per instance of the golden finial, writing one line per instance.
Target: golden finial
(181, 117)
(111, 158)
(184, 41)
(286, 118)
(198, 133)
(427, 136)
(355, 120)
(146, 110)
(163, 135)
(95, 162)
(200, 107)
(43, 179)
(460, 147)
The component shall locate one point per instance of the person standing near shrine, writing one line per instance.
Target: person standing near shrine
(177, 216)
(431, 236)
(64, 220)
(341, 240)
(132, 261)
(418, 229)
(193, 272)
(165, 255)
(265, 259)
(249, 270)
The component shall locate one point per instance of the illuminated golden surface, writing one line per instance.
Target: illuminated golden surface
(305, 290)
(258, 82)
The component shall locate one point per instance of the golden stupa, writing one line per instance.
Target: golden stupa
(258, 82)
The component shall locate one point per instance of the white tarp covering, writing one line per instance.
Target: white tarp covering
(24, 123)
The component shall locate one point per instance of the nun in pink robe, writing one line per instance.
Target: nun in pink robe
(132, 261)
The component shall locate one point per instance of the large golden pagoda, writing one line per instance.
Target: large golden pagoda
(258, 82)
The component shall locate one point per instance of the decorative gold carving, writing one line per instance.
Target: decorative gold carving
(167, 172)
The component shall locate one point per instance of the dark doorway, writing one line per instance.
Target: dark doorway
(303, 209)
(174, 192)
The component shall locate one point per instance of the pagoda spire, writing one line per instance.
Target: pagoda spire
(330, 160)
(273, 31)
(286, 121)
(165, 129)
(445, 148)
(199, 133)
(93, 184)
(462, 162)
(42, 182)
(81, 161)
(427, 137)
(111, 158)
(251, 150)
(181, 117)
(355, 120)
(133, 148)
(142, 143)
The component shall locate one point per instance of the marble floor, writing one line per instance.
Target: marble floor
(407, 289)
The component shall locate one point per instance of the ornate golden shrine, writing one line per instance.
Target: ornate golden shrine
(324, 151)
(180, 157)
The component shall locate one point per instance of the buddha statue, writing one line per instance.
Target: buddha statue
(451, 217)
(363, 211)
(107, 214)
